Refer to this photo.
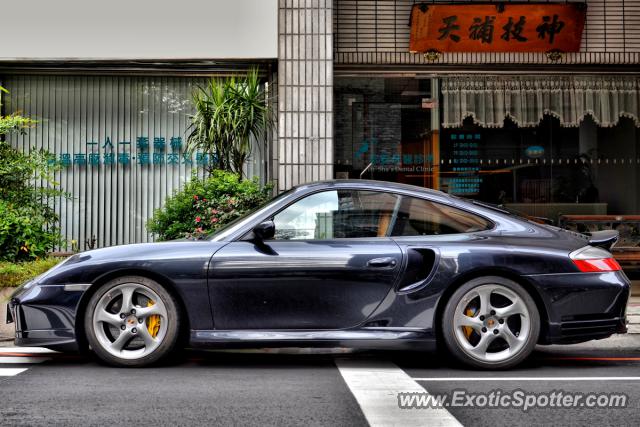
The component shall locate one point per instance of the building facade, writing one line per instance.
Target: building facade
(110, 85)
(548, 133)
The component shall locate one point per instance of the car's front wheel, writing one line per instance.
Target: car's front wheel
(132, 321)
(491, 323)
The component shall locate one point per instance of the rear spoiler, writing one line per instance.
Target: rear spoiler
(604, 239)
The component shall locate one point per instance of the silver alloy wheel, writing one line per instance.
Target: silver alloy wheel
(491, 333)
(120, 321)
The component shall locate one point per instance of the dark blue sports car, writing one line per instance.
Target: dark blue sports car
(342, 263)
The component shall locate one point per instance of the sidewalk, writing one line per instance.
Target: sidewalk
(633, 314)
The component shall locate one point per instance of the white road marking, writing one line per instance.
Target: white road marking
(32, 355)
(493, 379)
(21, 356)
(10, 360)
(26, 350)
(376, 385)
(10, 372)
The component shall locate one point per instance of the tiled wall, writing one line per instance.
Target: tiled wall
(305, 92)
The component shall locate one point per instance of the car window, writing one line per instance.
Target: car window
(247, 218)
(419, 217)
(337, 214)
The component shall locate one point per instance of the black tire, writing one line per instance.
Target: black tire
(171, 337)
(448, 328)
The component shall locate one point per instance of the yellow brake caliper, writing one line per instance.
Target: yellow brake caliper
(153, 322)
(468, 329)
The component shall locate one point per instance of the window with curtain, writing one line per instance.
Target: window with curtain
(526, 100)
(545, 145)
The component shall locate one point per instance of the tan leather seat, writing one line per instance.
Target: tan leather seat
(383, 224)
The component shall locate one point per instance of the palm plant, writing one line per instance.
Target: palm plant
(230, 113)
(207, 126)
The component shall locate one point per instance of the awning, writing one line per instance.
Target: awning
(527, 99)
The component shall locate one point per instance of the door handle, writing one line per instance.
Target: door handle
(382, 262)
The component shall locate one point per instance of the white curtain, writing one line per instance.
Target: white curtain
(527, 99)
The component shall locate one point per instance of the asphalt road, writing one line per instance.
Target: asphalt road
(221, 388)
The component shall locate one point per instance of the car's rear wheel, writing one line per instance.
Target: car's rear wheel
(132, 321)
(491, 323)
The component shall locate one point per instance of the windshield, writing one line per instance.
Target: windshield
(220, 232)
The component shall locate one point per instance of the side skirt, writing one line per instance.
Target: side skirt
(369, 338)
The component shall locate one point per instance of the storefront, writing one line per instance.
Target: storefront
(533, 106)
(545, 145)
(119, 142)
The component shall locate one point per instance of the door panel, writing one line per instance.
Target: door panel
(301, 284)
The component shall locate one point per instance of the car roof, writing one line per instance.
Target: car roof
(373, 185)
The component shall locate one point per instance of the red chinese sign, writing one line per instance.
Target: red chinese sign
(498, 27)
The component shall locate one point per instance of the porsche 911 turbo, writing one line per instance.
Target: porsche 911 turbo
(349, 263)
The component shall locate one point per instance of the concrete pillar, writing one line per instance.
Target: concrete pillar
(305, 92)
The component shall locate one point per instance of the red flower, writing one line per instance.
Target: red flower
(214, 220)
(199, 230)
(198, 219)
(195, 197)
(214, 211)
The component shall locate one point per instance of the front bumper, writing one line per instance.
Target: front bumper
(44, 316)
(582, 306)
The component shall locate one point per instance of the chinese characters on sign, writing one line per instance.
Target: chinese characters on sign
(463, 174)
(385, 161)
(531, 27)
(108, 153)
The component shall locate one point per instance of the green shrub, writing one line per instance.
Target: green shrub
(204, 205)
(17, 183)
(25, 232)
(27, 220)
(15, 274)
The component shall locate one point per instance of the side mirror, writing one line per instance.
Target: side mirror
(265, 230)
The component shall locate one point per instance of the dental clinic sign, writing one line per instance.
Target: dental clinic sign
(497, 27)
(159, 151)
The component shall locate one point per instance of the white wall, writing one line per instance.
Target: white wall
(139, 29)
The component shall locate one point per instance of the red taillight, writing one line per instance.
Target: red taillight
(594, 260)
(597, 265)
